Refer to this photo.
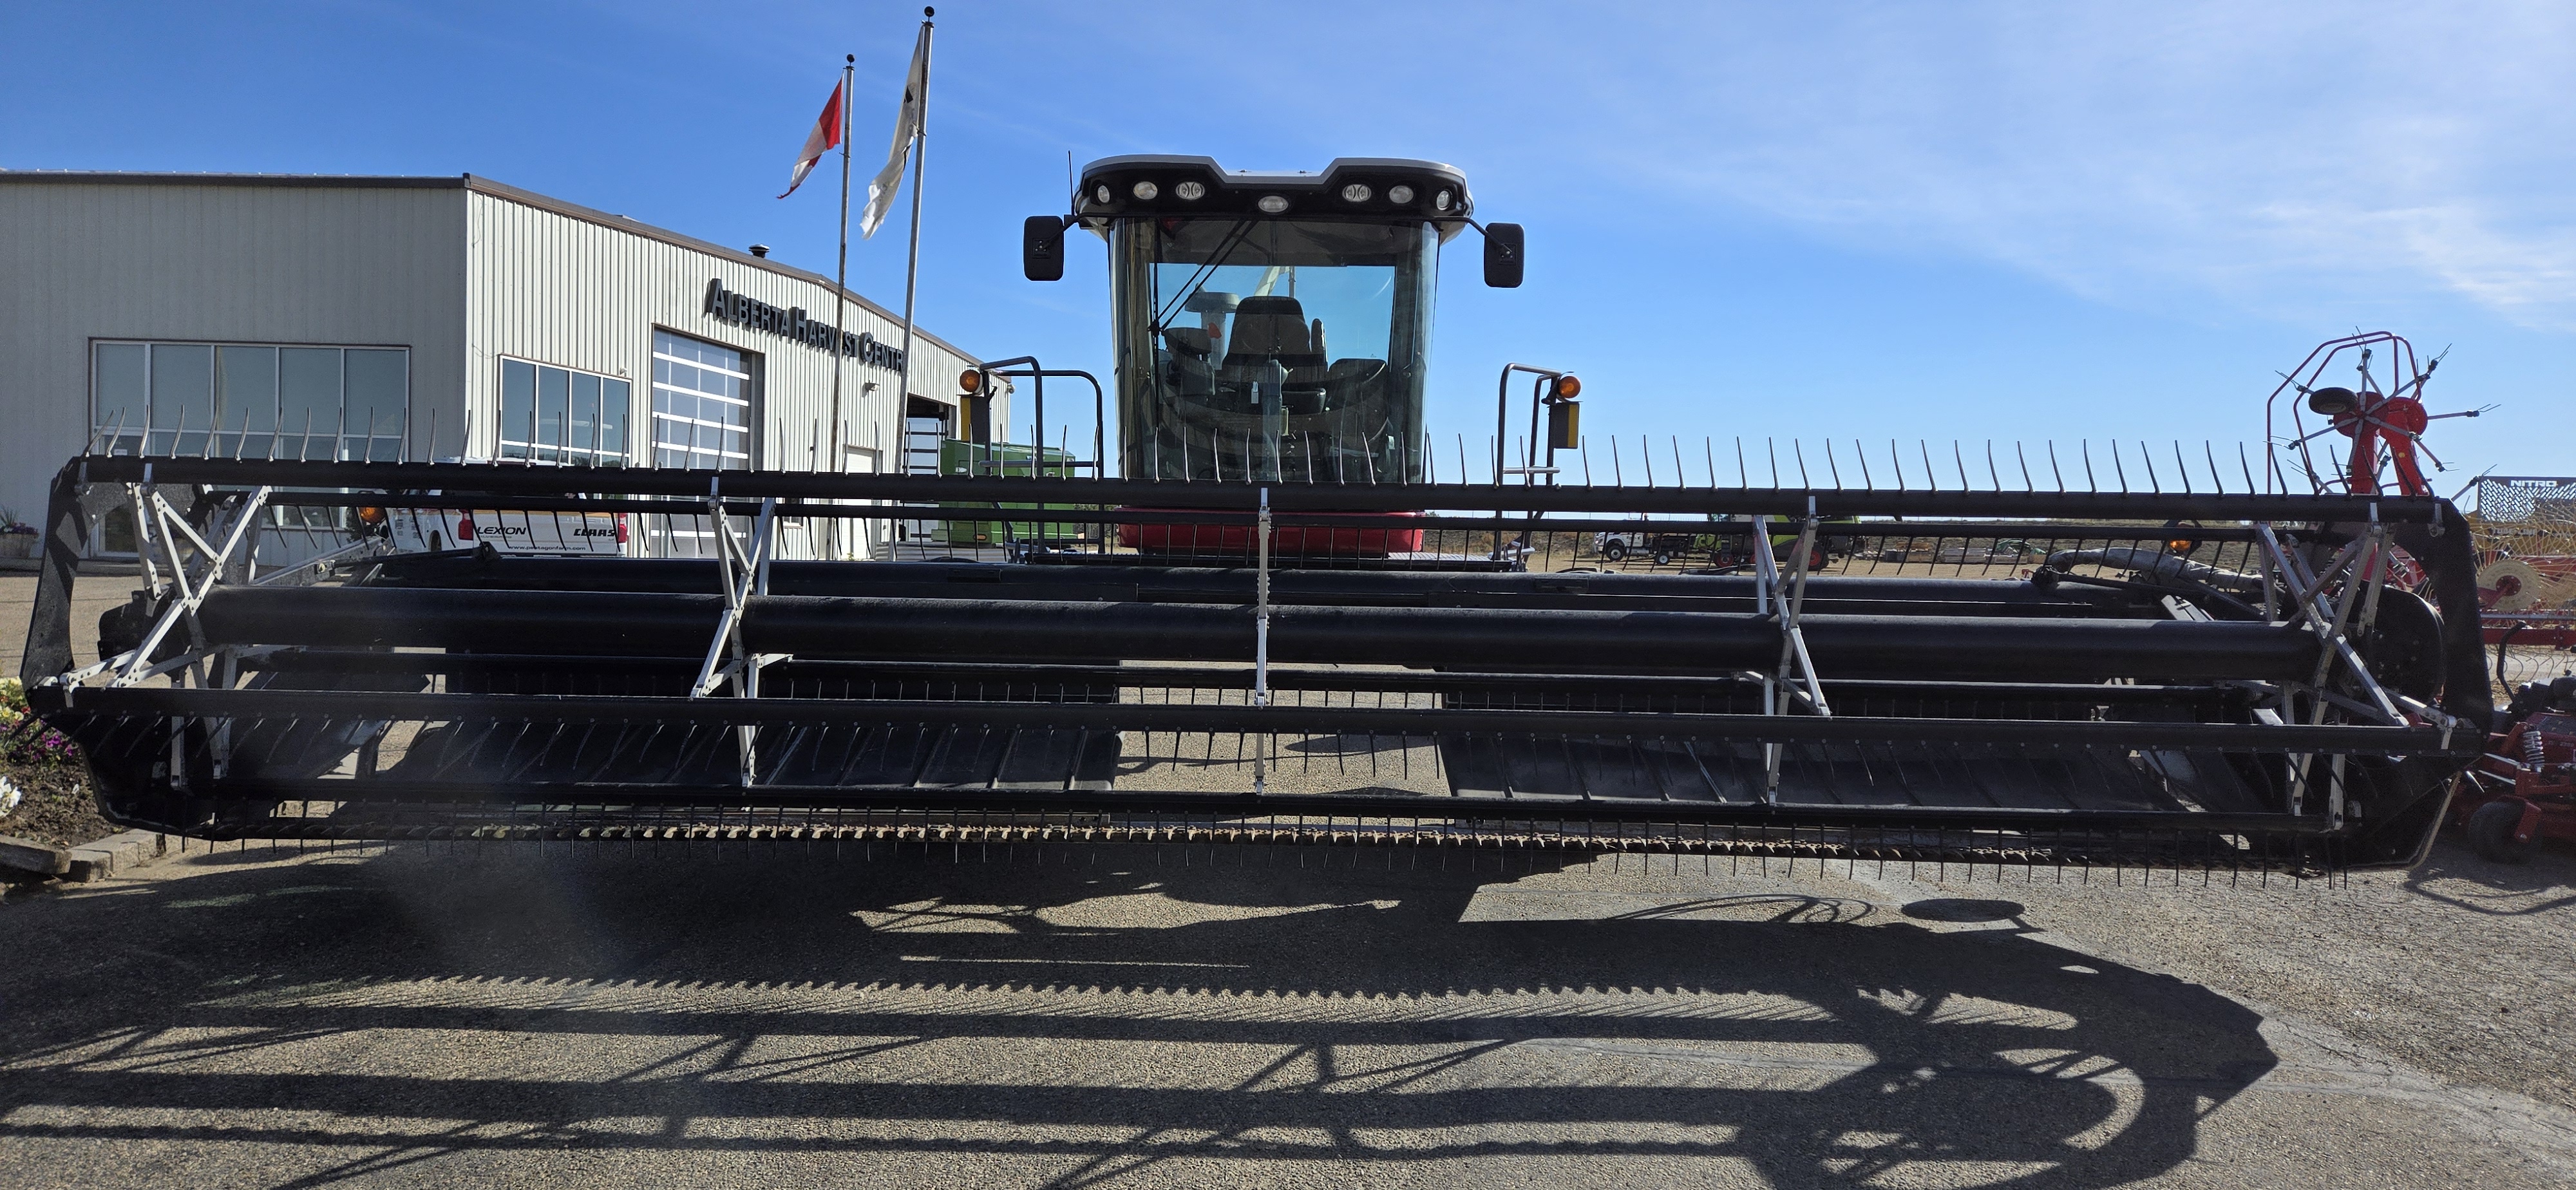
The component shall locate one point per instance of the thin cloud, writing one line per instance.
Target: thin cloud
(2260, 156)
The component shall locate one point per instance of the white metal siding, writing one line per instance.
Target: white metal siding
(557, 289)
(460, 276)
(172, 260)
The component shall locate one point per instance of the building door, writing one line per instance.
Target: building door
(705, 403)
(868, 538)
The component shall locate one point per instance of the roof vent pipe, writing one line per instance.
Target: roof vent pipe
(760, 250)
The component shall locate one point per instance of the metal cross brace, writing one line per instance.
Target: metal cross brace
(744, 572)
(2329, 618)
(135, 665)
(1774, 594)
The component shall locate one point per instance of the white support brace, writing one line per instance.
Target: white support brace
(135, 665)
(2330, 619)
(1766, 581)
(1261, 635)
(709, 673)
(143, 542)
(1794, 662)
(1785, 596)
(743, 572)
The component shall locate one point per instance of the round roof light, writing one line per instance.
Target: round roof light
(1144, 191)
(1102, 193)
(971, 380)
(1356, 192)
(1399, 194)
(1272, 204)
(1190, 191)
(1441, 200)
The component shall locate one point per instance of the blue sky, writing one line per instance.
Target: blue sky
(1879, 221)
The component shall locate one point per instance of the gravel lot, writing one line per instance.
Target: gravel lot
(517, 1016)
(537, 1016)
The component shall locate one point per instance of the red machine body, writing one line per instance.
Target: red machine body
(2386, 428)
(1236, 541)
(2523, 791)
(2389, 424)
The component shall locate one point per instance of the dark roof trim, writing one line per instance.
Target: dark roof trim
(500, 190)
(84, 177)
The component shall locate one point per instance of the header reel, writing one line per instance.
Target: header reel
(2271, 704)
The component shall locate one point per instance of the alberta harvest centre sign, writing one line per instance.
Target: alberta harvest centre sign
(746, 311)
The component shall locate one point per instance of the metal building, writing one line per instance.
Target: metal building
(429, 318)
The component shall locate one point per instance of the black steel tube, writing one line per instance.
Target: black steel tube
(1001, 677)
(1238, 496)
(1948, 647)
(2063, 827)
(1845, 594)
(627, 623)
(1579, 641)
(1239, 717)
(1914, 530)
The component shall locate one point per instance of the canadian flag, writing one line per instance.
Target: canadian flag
(825, 137)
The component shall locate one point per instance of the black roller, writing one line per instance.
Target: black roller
(1843, 594)
(1578, 641)
(1924, 647)
(587, 622)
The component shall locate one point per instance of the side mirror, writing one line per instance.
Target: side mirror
(1503, 255)
(1042, 248)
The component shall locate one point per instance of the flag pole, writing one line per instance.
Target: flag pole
(841, 283)
(912, 264)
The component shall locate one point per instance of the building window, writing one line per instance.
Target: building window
(702, 399)
(251, 401)
(559, 414)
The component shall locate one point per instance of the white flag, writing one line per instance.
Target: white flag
(907, 124)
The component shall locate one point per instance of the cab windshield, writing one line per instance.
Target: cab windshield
(1265, 349)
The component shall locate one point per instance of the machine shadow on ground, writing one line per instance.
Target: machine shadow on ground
(1081, 1018)
(2460, 878)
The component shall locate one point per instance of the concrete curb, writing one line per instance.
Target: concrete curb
(119, 853)
(27, 855)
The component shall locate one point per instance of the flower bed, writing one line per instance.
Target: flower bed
(17, 538)
(54, 806)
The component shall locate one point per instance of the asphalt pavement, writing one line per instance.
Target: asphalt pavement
(510, 1016)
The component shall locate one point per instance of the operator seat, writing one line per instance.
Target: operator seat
(1268, 328)
(1275, 328)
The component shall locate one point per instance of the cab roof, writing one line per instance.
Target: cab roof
(1350, 187)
